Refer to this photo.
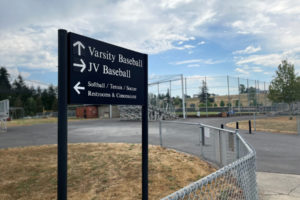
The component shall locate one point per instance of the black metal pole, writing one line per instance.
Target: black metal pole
(237, 125)
(62, 132)
(222, 126)
(203, 136)
(145, 136)
(250, 127)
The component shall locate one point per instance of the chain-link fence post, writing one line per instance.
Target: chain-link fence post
(254, 121)
(298, 124)
(258, 95)
(183, 98)
(237, 145)
(160, 134)
(222, 149)
(265, 96)
(239, 90)
(248, 97)
(185, 86)
(158, 104)
(206, 103)
(228, 94)
(170, 89)
(110, 111)
(255, 103)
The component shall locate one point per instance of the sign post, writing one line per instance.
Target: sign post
(95, 72)
(145, 139)
(62, 134)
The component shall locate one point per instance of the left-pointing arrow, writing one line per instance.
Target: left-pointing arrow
(82, 65)
(77, 88)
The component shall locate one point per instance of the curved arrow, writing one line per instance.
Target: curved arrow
(80, 45)
(82, 65)
(77, 88)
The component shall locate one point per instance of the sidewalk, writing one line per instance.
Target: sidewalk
(273, 186)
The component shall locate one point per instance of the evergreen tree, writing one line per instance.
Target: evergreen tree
(222, 104)
(31, 99)
(204, 94)
(242, 89)
(30, 107)
(5, 87)
(48, 97)
(39, 104)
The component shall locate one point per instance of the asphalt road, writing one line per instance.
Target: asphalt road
(277, 153)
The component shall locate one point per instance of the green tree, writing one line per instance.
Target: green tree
(222, 104)
(168, 97)
(30, 99)
(152, 98)
(236, 103)
(283, 87)
(298, 88)
(48, 97)
(202, 105)
(177, 101)
(251, 95)
(242, 89)
(18, 102)
(20, 90)
(30, 106)
(39, 104)
(38, 99)
(204, 94)
(5, 87)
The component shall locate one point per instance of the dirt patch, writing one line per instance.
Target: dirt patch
(96, 171)
(272, 124)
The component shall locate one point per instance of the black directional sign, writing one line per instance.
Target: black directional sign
(101, 73)
(95, 72)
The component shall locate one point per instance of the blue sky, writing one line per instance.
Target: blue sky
(192, 37)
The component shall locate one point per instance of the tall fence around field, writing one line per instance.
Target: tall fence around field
(209, 95)
(236, 177)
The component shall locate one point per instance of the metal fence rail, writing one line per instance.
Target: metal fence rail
(236, 177)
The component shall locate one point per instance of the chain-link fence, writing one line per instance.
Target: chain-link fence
(193, 96)
(166, 93)
(216, 94)
(236, 178)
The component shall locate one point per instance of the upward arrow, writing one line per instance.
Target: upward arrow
(79, 45)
